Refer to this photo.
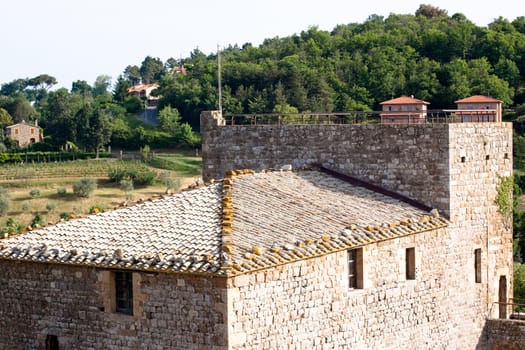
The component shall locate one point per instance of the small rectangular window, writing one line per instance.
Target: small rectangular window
(477, 264)
(124, 292)
(410, 262)
(355, 268)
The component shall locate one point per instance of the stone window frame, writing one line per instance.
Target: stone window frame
(109, 293)
(477, 265)
(355, 268)
(410, 263)
(123, 292)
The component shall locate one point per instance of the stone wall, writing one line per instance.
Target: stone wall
(413, 160)
(453, 167)
(505, 334)
(308, 305)
(175, 312)
(25, 133)
(481, 153)
(399, 158)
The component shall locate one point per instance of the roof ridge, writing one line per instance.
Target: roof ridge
(369, 186)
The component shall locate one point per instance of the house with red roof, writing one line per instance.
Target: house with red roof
(479, 108)
(143, 91)
(404, 110)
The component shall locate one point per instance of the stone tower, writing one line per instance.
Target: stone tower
(453, 167)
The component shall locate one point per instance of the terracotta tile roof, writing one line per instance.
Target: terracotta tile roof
(246, 222)
(140, 87)
(478, 99)
(404, 100)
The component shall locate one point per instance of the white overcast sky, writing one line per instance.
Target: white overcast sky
(81, 39)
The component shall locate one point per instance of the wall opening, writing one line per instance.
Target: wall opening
(462, 159)
(124, 292)
(355, 268)
(477, 265)
(51, 342)
(502, 296)
(410, 263)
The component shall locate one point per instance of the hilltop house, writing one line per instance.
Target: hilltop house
(26, 134)
(367, 245)
(143, 91)
(479, 109)
(403, 110)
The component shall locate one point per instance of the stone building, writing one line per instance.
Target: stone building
(404, 110)
(26, 134)
(381, 237)
(479, 108)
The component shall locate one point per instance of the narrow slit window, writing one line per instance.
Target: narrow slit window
(355, 268)
(410, 262)
(477, 264)
(124, 292)
(462, 159)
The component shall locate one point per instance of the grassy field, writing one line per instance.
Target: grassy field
(47, 189)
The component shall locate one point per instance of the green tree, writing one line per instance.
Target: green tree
(82, 88)
(101, 85)
(132, 73)
(169, 120)
(5, 118)
(151, 70)
(99, 128)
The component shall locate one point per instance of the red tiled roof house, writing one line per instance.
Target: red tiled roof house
(404, 110)
(479, 108)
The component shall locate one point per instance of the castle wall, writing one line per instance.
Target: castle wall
(171, 312)
(505, 334)
(456, 168)
(411, 160)
(308, 305)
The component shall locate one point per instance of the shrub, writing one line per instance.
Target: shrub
(84, 187)
(35, 192)
(26, 207)
(167, 180)
(140, 175)
(38, 220)
(5, 202)
(95, 209)
(50, 207)
(126, 185)
(65, 216)
(12, 226)
(61, 191)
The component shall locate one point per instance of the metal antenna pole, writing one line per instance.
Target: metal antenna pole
(219, 78)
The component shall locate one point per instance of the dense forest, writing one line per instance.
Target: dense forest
(430, 54)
